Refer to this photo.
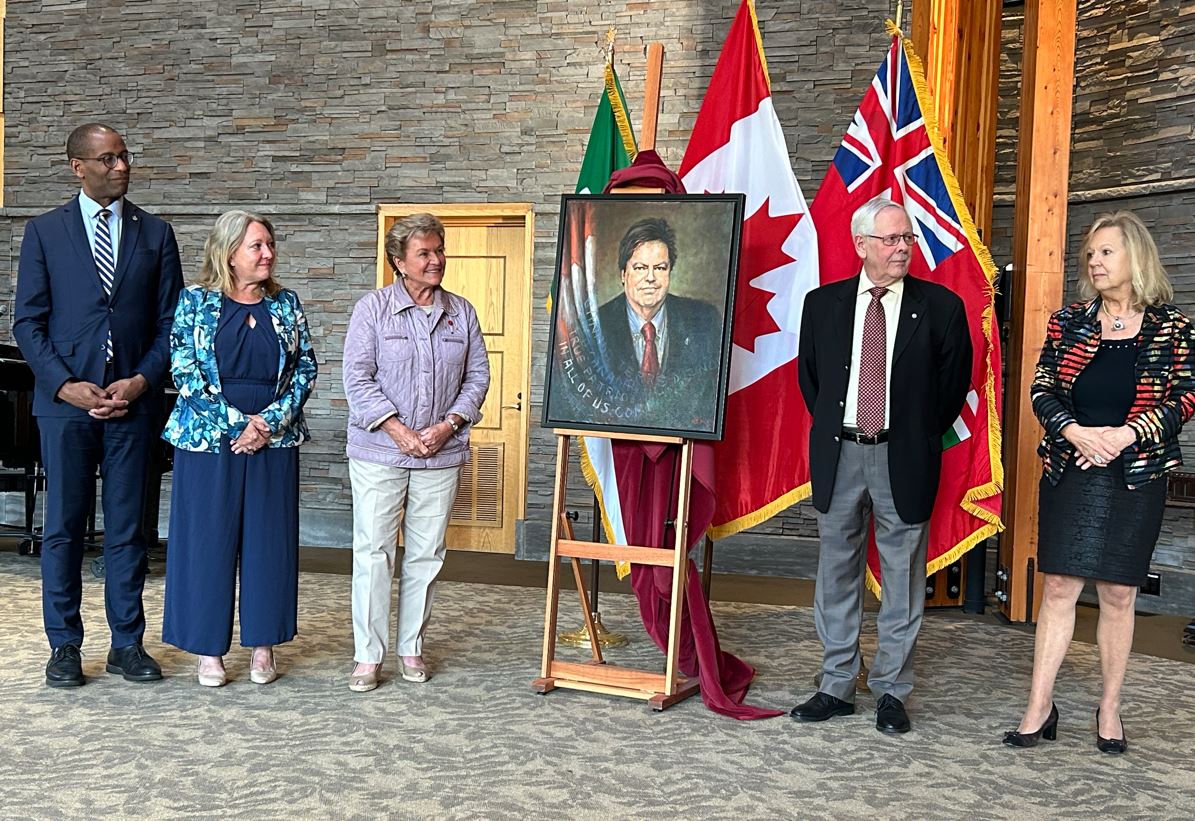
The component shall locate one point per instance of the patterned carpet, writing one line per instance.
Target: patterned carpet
(477, 743)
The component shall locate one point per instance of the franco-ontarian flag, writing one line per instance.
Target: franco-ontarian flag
(737, 146)
(892, 148)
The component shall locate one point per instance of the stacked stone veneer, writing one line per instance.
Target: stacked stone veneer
(313, 112)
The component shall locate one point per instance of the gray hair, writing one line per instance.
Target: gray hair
(863, 221)
(222, 242)
(400, 234)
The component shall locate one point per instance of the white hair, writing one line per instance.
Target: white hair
(863, 221)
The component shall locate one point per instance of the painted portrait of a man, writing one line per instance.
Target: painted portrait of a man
(641, 331)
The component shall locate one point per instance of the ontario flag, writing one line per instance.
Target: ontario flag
(737, 146)
(892, 148)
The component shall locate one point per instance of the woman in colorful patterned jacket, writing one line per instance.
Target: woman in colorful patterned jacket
(1114, 386)
(415, 374)
(242, 360)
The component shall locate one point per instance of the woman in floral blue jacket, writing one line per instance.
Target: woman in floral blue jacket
(242, 360)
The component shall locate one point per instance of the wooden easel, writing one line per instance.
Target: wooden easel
(595, 676)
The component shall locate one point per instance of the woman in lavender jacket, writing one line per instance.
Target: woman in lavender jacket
(416, 374)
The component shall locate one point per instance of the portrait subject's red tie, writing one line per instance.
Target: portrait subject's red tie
(873, 367)
(649, 369)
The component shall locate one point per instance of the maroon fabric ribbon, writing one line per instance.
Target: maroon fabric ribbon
(648, 486)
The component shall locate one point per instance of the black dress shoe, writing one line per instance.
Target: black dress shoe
(65, 667)
(821, 707)
(133, 663)
(1048, 730)
(891, 717)
(1116, 746)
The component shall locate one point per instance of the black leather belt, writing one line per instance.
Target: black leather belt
(863, 439)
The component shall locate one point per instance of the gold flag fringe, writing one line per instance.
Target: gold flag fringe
(620, 114)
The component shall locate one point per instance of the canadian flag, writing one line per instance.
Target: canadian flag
(737, 146)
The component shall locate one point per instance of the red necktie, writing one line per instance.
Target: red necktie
(873, 367)
(649, 369)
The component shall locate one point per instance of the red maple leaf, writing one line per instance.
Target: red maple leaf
(759, 252)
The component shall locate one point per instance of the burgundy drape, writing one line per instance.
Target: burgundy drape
(648, 487)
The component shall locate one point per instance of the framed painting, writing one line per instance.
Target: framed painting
(641, 316)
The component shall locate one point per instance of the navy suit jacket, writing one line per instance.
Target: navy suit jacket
(62, 315)
(694, 331)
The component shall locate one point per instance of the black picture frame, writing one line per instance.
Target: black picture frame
(596, 378)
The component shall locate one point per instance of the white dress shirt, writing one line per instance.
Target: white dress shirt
(91, 214)
(891, 303)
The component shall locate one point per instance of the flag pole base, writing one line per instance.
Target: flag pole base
(605, 638)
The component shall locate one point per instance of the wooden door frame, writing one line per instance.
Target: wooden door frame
(482, 213)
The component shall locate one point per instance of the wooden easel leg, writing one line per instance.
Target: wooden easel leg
(545, 683)
(680, 560)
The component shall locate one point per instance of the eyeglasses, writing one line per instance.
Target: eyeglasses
(110, 160)
(893, 239)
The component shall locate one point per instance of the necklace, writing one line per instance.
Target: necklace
(1118, 322)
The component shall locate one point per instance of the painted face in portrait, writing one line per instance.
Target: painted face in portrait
(253, 260)
(1108, 263)
(886, 264)
(423, 263)
(645, 278)
(101, 183)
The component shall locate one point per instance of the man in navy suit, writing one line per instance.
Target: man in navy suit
(96, 291)
(657, 343)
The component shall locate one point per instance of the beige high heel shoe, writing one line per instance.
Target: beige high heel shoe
(364, 682)
(211, 679)
(264, 674)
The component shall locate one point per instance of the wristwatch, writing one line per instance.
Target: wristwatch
(452, 422)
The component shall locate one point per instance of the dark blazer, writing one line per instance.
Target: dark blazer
(1165, 377)
(694, 337)
(62, 316)
(931, 372)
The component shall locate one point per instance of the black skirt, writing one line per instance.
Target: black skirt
(1091, 525)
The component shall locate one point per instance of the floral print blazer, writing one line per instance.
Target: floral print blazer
(202, 415)
(1165, 375)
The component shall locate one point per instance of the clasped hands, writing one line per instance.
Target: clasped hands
(422, 443)
(253, 438)
(111, 402)
(1097, 446)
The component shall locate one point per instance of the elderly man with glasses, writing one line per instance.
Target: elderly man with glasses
(884, 366)
(96, 290)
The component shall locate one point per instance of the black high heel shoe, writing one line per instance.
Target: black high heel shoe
(1116, 746)
(1048, 731)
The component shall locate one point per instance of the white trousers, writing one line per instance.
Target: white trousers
(383, 498)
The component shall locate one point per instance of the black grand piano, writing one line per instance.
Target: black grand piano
(21, 470)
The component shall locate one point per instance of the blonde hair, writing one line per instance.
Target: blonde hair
(1150, 284)
(222, 242)
(400, 234)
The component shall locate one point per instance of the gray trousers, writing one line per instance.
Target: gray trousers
(862, 492)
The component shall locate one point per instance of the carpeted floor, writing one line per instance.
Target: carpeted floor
(475, 742)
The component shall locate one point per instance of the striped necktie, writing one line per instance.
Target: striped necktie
(105, 265)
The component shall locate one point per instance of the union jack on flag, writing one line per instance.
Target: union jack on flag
(891, 148)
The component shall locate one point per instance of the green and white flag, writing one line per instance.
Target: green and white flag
(611, 143)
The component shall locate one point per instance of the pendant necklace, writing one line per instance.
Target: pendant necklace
(1117, 322)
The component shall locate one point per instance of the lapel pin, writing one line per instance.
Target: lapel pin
(914, 316)
(134, 217)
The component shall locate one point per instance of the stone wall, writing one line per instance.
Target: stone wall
(1134, 119)
(314, 111)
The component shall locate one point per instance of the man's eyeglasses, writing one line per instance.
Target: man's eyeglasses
(890, 240)
(110, 160)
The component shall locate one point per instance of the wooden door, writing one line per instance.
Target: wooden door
(489, 249)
